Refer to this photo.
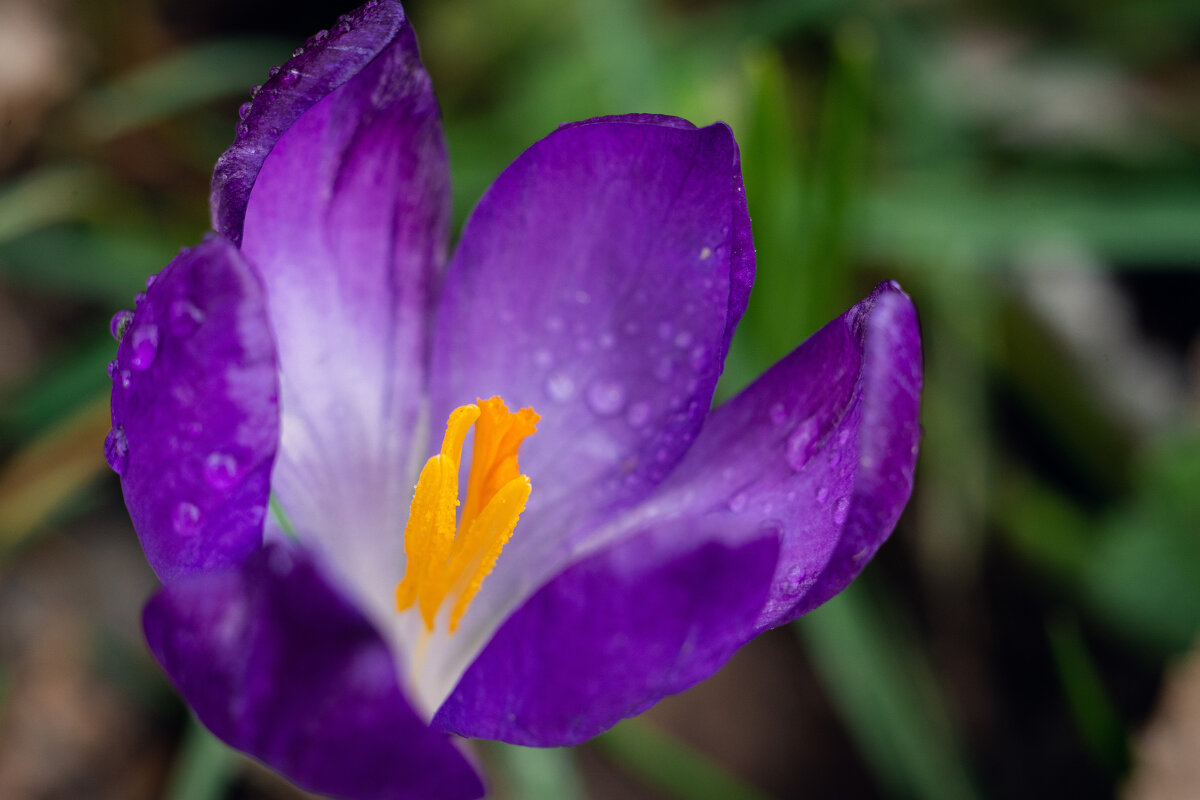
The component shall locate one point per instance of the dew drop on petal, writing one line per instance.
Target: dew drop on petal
(145, 346)
(150, 279)
(737, 502)
(560, 387)
(606, 340)
(638, 414)
(243, 130)
(290, 77)
(542, 358)
(184, 317)
(244, 109)
(120, 323)
(777, 414)
(220, 470)
(299, 51)
(126, 378)
(699, 356)
(841, 509)
(664, 369)
(273, 71)
(185, 519)
(554, 324)
(664, 330)
(683, 339)
(112, 368)
(254, 90)
(606, 397)
(116, 450)
(822, 495)
(801, 444)
(318, 37)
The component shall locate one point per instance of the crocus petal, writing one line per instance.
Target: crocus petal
(819, 451)
(611, 636)
(823, 445)
(327, 61)
(347, 225)
(195, 412)
(277, 664)
(599, 281)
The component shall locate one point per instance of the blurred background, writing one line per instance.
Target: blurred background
(1029, 171)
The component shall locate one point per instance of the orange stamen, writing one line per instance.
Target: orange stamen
(446, 559)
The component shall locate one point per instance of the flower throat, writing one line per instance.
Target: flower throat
(448, 556)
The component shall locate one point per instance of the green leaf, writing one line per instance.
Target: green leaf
(671, 766)
(885, 690)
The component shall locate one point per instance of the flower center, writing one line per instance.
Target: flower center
(448, 557)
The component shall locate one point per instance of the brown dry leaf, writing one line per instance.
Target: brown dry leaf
(1167, 754)
(52, 469)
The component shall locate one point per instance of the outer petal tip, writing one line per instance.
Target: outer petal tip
(328, 60)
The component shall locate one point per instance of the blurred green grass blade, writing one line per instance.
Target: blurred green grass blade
(44, 476)
(46, 196)
(535, 773)
(671, 766)
(108, 264)
(185, 79)
(1043, 526)
(1136, 221)
(1143, 576)
(886, 692)
(1091, 707)
(56, 389)
(204, 767)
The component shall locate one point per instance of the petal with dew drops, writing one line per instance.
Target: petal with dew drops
(195, 412)
(327, 61)
(278, 664)
(819, 453)
(598, 281)
(346, 225)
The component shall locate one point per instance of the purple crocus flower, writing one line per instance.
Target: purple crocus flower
(282, 386)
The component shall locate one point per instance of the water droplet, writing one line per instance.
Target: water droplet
(186, 518)
(582, 297)
(664, 369)
(184, 317)
(737, 502)
(606, 397)
(220, 470)
(318, 37)
(290, 77)
(342, 27)
(126, 378)
(683, 339)
(120, 323)
(699, 356)
(796, 577)
(638, 414)
(273, 71)
(606, 340)
(822, 495)
(631, 327)
(560, 387)
(801, 444)
(542, 358)
(112, 368)
(150, 279)
(777, 413)
(116, 450)
(705, 252)
(665, 330)
(144, 345)
(554, 324)
(138, 299)
(243, 130)
(841, 509)
(244, 109)
(299, 51)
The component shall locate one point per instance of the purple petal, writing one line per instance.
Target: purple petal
(195, 412)
(328, 60)
(823, 446)
(347, 225)
(611, 636)
(819, 452)
(599, 281)
(280, 666)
